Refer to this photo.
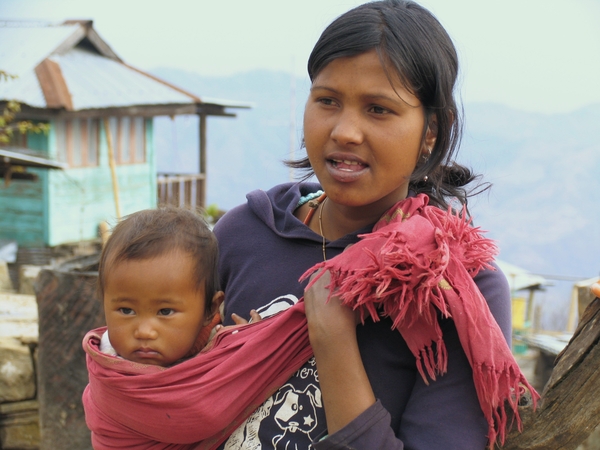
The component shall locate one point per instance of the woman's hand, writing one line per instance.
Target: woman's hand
(327, 319)
(344, 383)
(596, 289)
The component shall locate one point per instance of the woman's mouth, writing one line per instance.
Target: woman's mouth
(347, 165)
(345, 170)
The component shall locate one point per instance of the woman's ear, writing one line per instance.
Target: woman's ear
(431, 134)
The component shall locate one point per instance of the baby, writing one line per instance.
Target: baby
(159, 286)
(153, 380)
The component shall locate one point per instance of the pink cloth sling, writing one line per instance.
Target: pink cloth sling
(420, 261)
(199, 402)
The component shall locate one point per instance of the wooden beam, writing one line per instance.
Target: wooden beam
(202, 158)
(28, 112)
(570, 406)
(71, 41)
(166, 83)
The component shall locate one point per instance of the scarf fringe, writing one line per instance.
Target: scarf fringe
(499, 390)
(401, 271)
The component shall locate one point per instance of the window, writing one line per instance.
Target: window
(140, 139)
(92, 141)
(129, 139)
(77, 141)
(17, 139)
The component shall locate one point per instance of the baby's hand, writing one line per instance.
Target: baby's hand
(596, 289)
(254, 317)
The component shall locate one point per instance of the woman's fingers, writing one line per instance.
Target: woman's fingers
(596, 289)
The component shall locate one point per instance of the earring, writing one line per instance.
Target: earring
(426, 156)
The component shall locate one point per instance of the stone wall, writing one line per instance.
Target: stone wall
(19, 418)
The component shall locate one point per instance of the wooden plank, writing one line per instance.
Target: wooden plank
(53, 84)
(28, 112)
(68, 308)
(570, 407)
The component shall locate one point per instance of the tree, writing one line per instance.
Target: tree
(7, 124)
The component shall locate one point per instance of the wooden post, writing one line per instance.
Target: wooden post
(202, 162)
(68, 308)
(570, 406)
(113, 168)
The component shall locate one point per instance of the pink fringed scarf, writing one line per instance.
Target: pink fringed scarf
(418, 261)
(197, 403)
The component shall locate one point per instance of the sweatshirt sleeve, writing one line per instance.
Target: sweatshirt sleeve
(370, 430)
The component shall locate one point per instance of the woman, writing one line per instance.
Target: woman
(380, 125)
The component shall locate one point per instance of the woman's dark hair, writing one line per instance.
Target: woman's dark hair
(154, 232)
(410, 40)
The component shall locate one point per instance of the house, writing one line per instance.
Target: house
(70, 78)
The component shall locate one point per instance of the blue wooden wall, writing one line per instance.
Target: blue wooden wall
(67, 206)
(23, 209)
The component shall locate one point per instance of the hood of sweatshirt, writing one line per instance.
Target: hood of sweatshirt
(276, 207)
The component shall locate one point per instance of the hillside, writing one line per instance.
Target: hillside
(543, 207)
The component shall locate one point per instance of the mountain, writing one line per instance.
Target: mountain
(542, 208)
(243, 153)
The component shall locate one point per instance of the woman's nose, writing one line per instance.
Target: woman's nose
(145, 330)
(347, 129)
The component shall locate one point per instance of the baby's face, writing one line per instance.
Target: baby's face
(153, 308)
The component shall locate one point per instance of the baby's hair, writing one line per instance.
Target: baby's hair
(411, 42)
(154, 232)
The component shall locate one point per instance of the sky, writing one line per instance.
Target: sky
(533, 55)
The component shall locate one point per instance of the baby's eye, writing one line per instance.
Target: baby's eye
(166, 312)
(127, 311)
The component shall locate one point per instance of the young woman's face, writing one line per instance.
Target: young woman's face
(154, 310)
(363, 134)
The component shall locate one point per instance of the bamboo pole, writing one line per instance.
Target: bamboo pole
(113, 168)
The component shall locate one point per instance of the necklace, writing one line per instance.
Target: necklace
(314, 204)
(321, 227)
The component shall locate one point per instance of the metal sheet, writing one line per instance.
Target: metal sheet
(98, 82)
(553, 344)
(27, 160)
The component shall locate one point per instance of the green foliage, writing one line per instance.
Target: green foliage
(7, 124)
(213, 213)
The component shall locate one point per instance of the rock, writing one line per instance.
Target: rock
(5, 282)
(17, 378)
(27, 275)
(19, 317)
(19, 425)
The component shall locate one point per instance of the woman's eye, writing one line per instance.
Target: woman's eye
(326, 101)
(378, 109)
(166, 312)
(127, 311)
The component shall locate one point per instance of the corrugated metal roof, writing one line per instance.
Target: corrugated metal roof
(98, 82)
(93, 80)
(28, 160)
(24, 45)
(519, 278)
(553, 344)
